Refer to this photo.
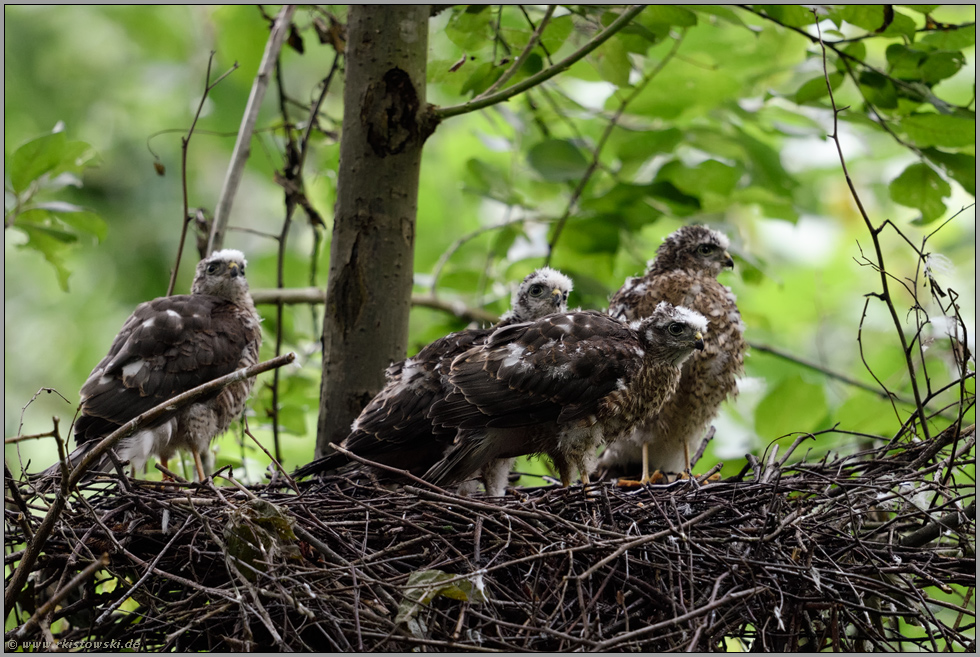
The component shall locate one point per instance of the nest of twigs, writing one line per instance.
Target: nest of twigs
(870, 551)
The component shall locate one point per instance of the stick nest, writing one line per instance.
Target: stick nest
(870, 551)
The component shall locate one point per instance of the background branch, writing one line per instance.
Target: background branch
(239, 156)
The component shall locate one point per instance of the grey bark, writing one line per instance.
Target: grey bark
(369, 284)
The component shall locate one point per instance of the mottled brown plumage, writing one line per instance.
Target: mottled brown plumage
(169, 346)
(562, 386)
(684, 272)
(394, 428)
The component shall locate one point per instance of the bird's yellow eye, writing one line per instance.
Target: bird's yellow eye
(536, 290)
(213, 268)
(675, 329)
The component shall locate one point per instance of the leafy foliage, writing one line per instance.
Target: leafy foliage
(37, 174)
(710, 114)
(715, 114)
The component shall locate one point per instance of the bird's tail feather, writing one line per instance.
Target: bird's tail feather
(463, 461)
(50, 478)
(321, 465)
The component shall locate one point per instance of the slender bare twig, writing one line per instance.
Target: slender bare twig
(185, 142)
(222, 210)
(34, 547)
(315, 296)
(885, 294)
(622, 21)
(612, 123)
(528, 49)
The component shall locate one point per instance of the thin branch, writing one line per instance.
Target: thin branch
(315, 296)
(885, 294)
(33, 549)
(45, 609)
(528, 49)
(239, 156)
(594, 164)
(934, 530)
(505, 94)
(185, 143)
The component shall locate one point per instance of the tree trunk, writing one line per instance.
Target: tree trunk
(369, 287)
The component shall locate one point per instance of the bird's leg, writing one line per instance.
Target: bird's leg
(165, 463)
(687, 462)
(199, 466)
(645, 477)
(649, 478)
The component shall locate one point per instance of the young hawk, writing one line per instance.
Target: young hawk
(394, 428)
(562, 386)
(166, 347)
(684, 272)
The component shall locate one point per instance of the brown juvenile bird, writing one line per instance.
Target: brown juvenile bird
(684, 272)
(394, 428)
(168, 346)
(561, 386)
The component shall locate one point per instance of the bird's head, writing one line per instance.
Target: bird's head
(672, 333)
(222, 274)
(542, 292)
(696, 249)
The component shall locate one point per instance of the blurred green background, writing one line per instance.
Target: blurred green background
(729, 130)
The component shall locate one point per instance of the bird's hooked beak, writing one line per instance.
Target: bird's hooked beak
(235, 269)
(556, 297)
(727, 261)
(698, 341)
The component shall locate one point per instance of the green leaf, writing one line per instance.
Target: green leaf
(941, 65)
(901, 25)
(36, 158)
(959, 38)
(878, 89)
(76, 216)
(710, 175)
(657, 16)
(613, 62)
(791, 404)
(721, 11)
(505, 238)
(816, 88)
(481, 78)
(557, 32)
(52, 244)
(939, 130)
(470, 28)
(640, 146)
(490, 181)
(292, 419)
(592, 235)
(868, 17)
(424, 585)
(558, 160)
(959, 166)
(670, 200)
(765, 166)
(921, 188)
(930, 67)
(790, 15)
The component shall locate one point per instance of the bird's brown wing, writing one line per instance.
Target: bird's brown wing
(395, 428)
(557, 369)
(166, 347)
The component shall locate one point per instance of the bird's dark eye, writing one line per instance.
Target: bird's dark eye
(536, 290)
(213, 268)
(706, 249)
(675, 329)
